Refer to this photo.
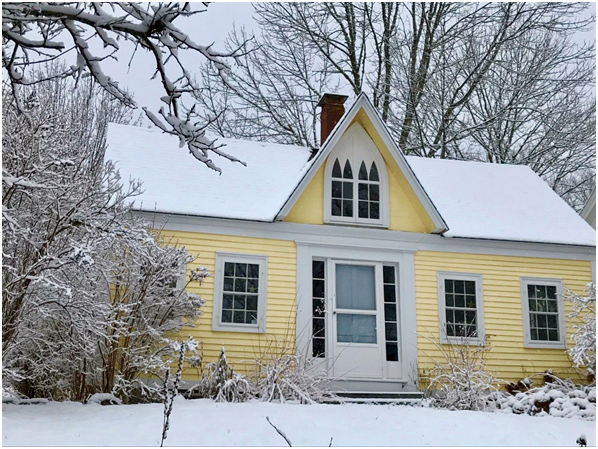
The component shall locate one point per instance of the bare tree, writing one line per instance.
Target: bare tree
(271, 95)
(34, 33)
(444, 76)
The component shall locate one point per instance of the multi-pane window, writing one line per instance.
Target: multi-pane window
(239, 293)
(368, 192)
(318, 304)
(460, 304)
(342, 190)
(460, 308)
(543, 314)
(390, 313)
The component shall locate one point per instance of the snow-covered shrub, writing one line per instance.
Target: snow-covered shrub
(583, 353)
(220, 382)
(460, 380)
(103, 399)
(145, 309)
(561, 398)
(89, 293)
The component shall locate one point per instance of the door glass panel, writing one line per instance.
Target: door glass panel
(352, 328)
(355, 287)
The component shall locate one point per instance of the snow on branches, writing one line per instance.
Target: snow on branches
(583, 353)
(90, 296)
(34, 33)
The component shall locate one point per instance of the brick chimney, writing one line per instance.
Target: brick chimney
(332, 112)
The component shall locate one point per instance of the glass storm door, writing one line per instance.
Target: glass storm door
(356, 327)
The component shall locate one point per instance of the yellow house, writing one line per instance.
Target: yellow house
(361, 260)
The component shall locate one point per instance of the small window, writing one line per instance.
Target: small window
(460, 308)
(240, 293)
(543, 313)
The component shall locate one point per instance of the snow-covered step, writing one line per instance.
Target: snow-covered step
(360, 397)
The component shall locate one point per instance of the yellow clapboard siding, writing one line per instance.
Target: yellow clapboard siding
(503, 318)
(280, 297)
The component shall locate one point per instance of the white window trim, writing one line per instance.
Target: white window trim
(477, 278)
(527, 341)
(344, 150)
(262, 261)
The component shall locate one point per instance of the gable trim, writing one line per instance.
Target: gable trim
(363, 101)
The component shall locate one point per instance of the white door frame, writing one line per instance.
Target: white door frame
(354, 251)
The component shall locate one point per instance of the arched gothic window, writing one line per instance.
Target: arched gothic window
(356, 181)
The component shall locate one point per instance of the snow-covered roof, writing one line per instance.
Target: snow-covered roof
(475, 199)
(175, 182)
(502, 202)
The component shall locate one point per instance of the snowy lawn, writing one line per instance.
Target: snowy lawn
(206, 423)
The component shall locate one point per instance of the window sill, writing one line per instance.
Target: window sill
(544, 345)
(250, 329)
(462, 341)
(359, 224)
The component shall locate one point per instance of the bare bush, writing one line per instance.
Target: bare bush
(459, 379)
(285, 376)
(220, 382)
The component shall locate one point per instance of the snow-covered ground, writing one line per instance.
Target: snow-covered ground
(206, 423)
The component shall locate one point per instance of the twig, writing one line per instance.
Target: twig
(281, 433)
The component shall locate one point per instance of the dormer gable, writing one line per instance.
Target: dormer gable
(360, 177)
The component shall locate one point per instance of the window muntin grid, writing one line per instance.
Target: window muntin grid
(318, 311)
(460, 308)
(240, 293)
(543, 312)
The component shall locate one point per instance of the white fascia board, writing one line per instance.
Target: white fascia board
(362, 237)
(363, 101)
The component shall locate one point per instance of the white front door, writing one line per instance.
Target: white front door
(357, 321)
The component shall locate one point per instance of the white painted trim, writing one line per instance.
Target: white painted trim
(368, 152)
(453, 275)
(362, 101)
(262, 261)
(527, 341)
(373, 238)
